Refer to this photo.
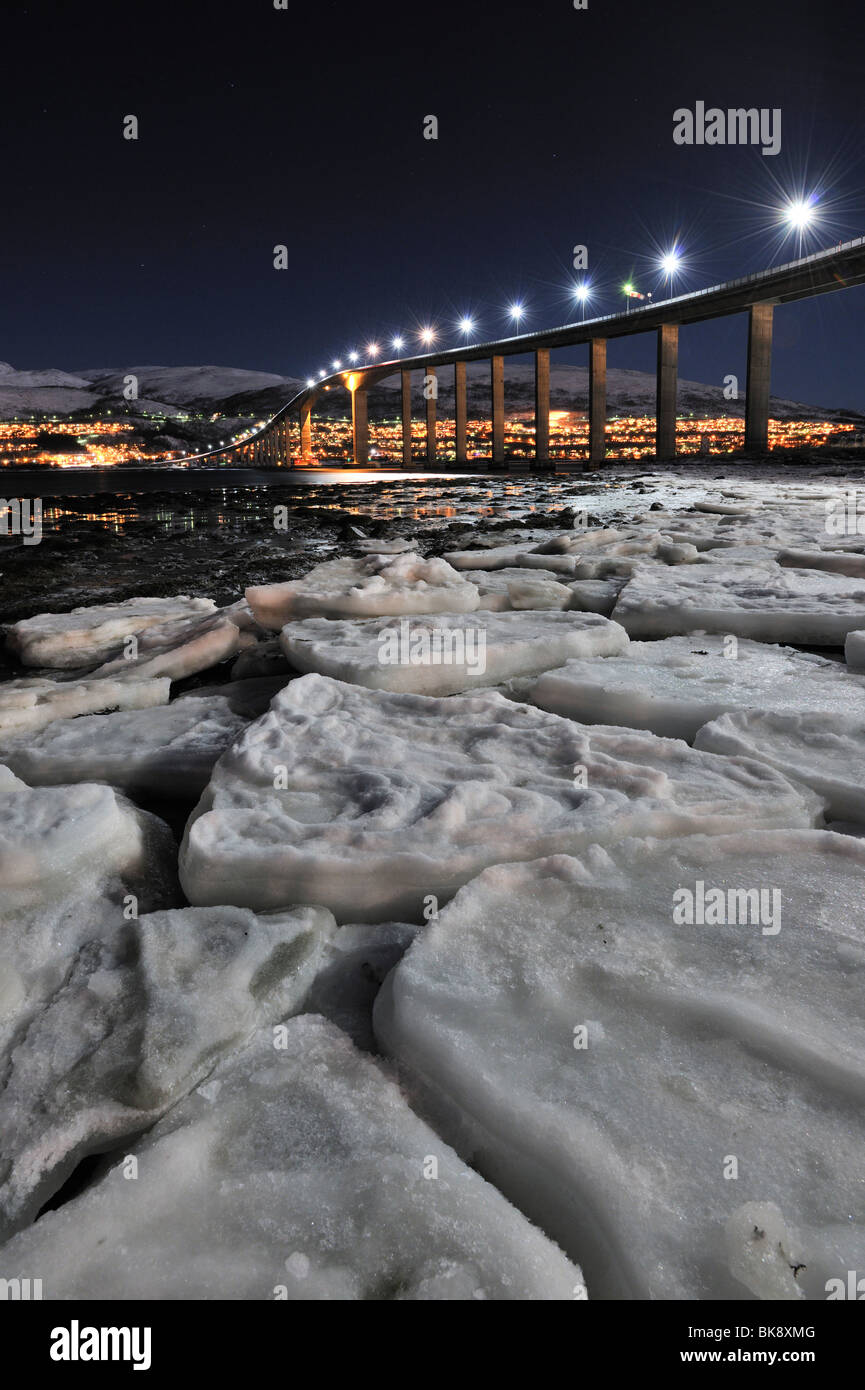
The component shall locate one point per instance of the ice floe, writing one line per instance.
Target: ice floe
(676, 685)
(377, 586)
(145, 1009)
(90, 635)
(447, 654)
(375, 803)
(780, 605)
(166, 751)
(30, 704)
(297, 1171)
(178, 649)
(825, 751)
(639, 1044)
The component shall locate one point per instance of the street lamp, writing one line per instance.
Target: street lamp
(669, 265)
(398, 343)
(516, 312)
(467, 327)
(582, 294)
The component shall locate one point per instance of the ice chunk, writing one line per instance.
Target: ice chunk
(178, 649)
(780, 605)
(676, 685)
(638, 1043)
(89, 635)
(505, 590)
(825, 751)
(511, 556)
(595, 595)
(375, 803)
(30, 704)
(167, 751)
(298, 1172)
(854, 651)
(447, 654)
(376, 586)
(834, 561)
(143, 1013)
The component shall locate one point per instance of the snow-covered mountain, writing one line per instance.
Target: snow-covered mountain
(234, 392)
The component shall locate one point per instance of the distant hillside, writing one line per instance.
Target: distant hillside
(235, 392)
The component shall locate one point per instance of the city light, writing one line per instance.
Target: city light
(310, 381)
(336, 364)
(352, 357)
(372, 349)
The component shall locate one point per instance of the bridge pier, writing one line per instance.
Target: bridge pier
(360, 427)
(430, 390)
(542, 407)
(306, 430)
(597, 400)
(760, 318)
(405, 402)
(665, 396)
(497, 382)
(460, 414)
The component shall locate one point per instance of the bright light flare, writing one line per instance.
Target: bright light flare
(467, 326)
(336, 364)
(670, 262)
(352, 357)
(581, 291)
(516, 312)
(427, 335)
(799, 214)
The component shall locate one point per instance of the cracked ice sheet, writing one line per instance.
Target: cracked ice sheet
(779, 605)
(30, 704)
(143, 1013)
(167, 751)
(371, 587)
(369, 801)
(475, 649)
(825, 752)
(676, 685)
(512, 557)
(701, 1042)
(297, 1171)
(90, 635)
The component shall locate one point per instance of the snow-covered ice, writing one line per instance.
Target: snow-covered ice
(356, 961)
(447, 654)
(90, 635)
(502, 591)
(512, 557)
(780, 605)
(676, 685)
(825, 751)
(30, 704)
(834, 561)
(854, 651)
(370, 802)
(144, 1011)
(638, 1044)
(297, 1171)
(371, 587)
(166, 751)
(179, 649)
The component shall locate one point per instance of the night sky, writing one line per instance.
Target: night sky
(304, 126)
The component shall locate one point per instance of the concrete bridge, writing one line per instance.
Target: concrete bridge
(288, 435)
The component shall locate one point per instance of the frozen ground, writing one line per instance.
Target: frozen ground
(619, 975)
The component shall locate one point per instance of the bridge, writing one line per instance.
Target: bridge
(288, 435)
